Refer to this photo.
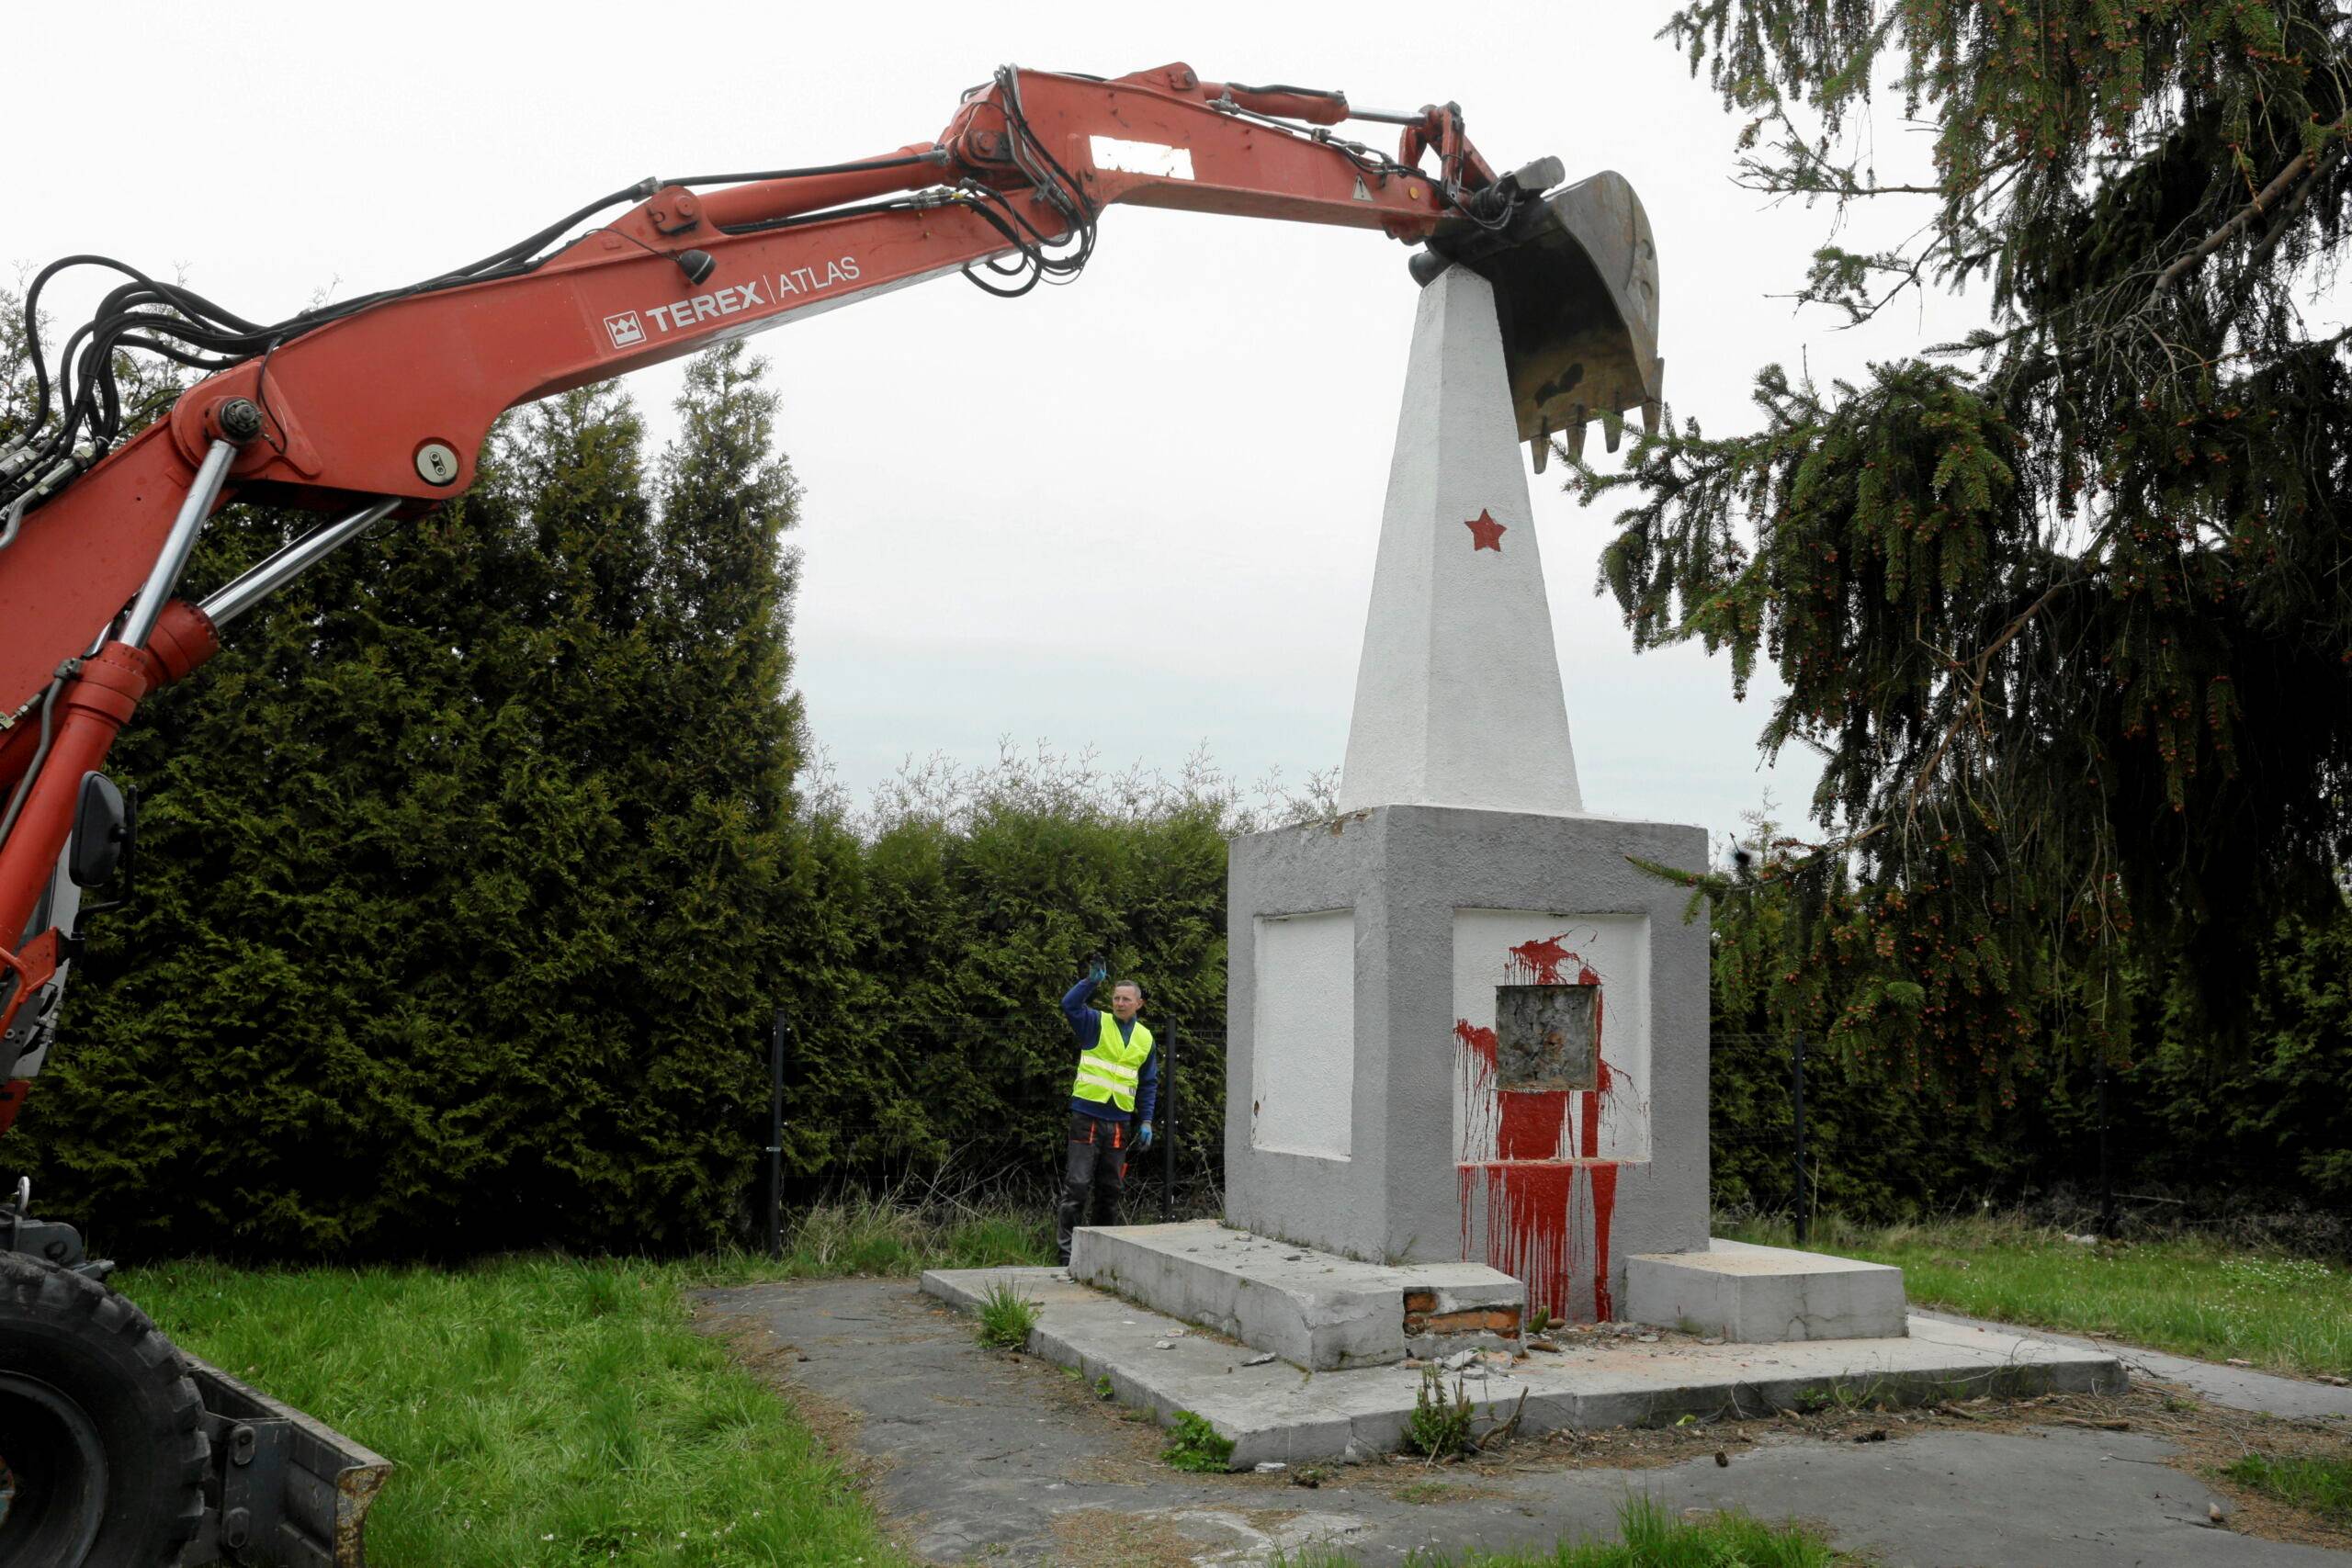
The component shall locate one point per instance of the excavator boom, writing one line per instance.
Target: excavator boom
(380, 407)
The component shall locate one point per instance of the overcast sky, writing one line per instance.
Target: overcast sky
(1136, 514)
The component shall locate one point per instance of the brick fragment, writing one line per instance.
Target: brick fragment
(1503, 1321)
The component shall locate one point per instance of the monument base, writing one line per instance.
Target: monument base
(1459, 1035)
(1154, 1362)
(1316, 1311)
(1766, 1294)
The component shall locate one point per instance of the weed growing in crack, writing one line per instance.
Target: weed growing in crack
(1439, 1426)
(1193, 1445)
(1007, 1318)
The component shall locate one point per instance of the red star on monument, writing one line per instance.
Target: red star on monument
(1485, 534)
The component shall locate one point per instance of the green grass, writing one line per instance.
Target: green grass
(2191, 1295)
(546, 1412)
(890, 1236)
(542, 1412)
(2321, 1484)
(1650, 1537)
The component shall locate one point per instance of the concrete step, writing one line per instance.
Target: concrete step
(1764, 1294)
(1273, 1412)
(1315, 1310)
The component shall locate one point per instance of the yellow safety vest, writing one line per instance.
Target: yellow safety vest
(1110, 1069)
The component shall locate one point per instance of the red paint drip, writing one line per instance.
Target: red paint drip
(1603, 1083)
(1516, 1139)
(1475, 1060)
(1480, 1041)
(1540, 960)
(1527, 1228)
(1531, 1124)
(1604, 1205)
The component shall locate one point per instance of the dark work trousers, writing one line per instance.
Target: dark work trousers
(1098, 1166)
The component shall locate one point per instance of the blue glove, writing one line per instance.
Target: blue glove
(1143, 1137)
(1098, 974)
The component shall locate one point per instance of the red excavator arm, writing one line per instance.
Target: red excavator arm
(381, 405)
(384, 405)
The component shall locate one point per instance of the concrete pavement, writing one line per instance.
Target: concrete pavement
(986, 1458)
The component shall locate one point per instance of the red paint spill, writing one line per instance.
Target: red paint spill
(1545, 961)
(1591, 1108)
(1485, 534)
(1542, 961)
(1527, 1228)
(1480, 1041)
(1519, 1142)
(1529, 1124)
(1604, 1205)
(1532, 1232)
(1475, 1067)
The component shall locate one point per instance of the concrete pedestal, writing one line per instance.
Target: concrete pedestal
(1766, 1294)
(1157, 1363)
(1372, 1108)
(1314, 1311)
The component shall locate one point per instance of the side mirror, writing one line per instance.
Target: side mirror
(101, 832)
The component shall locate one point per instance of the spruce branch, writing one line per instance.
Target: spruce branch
(2308, 162)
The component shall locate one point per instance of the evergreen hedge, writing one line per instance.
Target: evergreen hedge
(474, 871)
(961, 909)
(466, 871)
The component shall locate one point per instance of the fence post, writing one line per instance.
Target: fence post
(1167, 1126)
(775, 1137)
(2106, 1172)
(1803, 1215)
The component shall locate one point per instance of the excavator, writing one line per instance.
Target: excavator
(117, 1449)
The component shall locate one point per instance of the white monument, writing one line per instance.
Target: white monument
(1462, 1025)
(1466, 1048)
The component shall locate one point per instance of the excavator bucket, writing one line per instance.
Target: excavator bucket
(1574, 276)
(288, 1491)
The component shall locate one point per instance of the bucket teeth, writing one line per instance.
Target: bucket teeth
(1579, 426)
(1613, 428)
(1574, 276)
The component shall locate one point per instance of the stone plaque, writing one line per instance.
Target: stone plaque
(1545, 1037)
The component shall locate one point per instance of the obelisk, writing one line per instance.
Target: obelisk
(1458, 699)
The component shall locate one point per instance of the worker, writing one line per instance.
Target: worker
(1118, 1084)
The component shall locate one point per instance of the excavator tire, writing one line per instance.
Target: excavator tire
(98, 1421)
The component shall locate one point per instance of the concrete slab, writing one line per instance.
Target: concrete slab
(2240, 1388)
(1764, 1294)
(1275, 1412)
(1315, 1310)
(985, 1458)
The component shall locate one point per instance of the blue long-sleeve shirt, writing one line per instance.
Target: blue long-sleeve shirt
(1086, 1024)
